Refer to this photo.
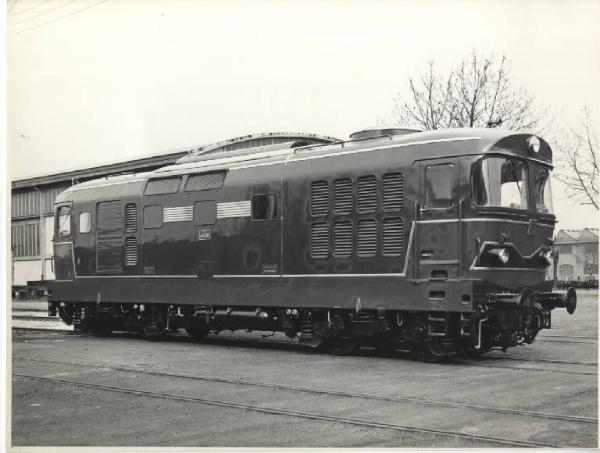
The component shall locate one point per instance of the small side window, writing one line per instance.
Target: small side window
(85, 222)
(439, 180)
(63, 221)
(153, 216)
(205, 213)
(264, 207)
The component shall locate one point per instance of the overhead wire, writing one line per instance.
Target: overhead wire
(39, 3)
(43, 12)
(59, 18)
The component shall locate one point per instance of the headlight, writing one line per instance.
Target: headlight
(501, 255)
(534, 144)
(547, 257)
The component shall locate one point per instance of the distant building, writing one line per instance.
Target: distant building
(32, 199)
(578, 254)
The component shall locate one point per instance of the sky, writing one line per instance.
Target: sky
(92, 82)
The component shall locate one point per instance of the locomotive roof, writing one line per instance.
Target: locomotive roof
(486, 139)
(482, 140)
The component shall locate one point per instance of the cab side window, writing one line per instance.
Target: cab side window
(438, 182)
(85, 222)
(63, 221)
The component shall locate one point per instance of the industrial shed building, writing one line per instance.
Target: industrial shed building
(33, 198)
(577, 254)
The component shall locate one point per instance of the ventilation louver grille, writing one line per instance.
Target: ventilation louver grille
(393, 192)
(110, 216)
(319, 198)
(319, 240)
(342, 196)
(162, 186)
(131, 218)
(367, 194)
(366, 238)
(109, 253)
(393, 237)
(131, 251)
(205, 181)
(342, 239)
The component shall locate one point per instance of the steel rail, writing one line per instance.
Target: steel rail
(290, 413)
(338, 393)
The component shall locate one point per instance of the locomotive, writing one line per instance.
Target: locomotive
(434, 241)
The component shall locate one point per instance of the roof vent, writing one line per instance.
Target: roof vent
(379, 131)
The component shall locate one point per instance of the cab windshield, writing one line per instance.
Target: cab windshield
(500, 182)
(543, 191)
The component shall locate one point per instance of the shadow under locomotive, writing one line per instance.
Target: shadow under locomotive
(438, 241)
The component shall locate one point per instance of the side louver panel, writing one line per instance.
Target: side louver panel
(319, 198)
(131, 251)
(131, 218)
(342, 196)
(342, 239)
(109, 254)
(367, 194)
(393, 192)
(366, 240)
(393, 237)
(319, 240)
(110, 216)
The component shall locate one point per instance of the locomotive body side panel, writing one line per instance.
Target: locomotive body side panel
(349, 215)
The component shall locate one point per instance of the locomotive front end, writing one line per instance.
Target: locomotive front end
(509, 226)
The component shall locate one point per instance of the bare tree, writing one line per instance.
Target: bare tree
(478, 93)
(578, 161)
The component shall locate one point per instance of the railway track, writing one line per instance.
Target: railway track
(290, 413)
(397, 353)
(335, 393)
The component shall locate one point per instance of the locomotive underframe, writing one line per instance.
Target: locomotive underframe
(492, 319)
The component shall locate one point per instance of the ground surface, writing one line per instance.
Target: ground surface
(247, 391)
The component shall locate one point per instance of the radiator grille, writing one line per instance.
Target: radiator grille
(367, 194)
(342, 239)
(393, 237)
(163, 186)
(131, 251)
(319, 240)
(366, 238)
(131, 218)
(342, 196)
(393, 192)
(109, 216)
(319, 198)
(109, 253)
(205, 181)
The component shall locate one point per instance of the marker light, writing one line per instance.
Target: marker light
(500, 254)
(534, 144)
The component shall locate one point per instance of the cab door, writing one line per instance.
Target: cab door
(438, 220)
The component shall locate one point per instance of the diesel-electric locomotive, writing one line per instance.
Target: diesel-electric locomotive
(437, 241)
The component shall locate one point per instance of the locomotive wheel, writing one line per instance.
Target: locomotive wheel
(196, 333)
(152, 332)
(66, 313)
(152, 326)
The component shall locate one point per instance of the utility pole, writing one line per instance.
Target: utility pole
(41, 234)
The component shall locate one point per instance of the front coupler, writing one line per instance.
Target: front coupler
(566, 300)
